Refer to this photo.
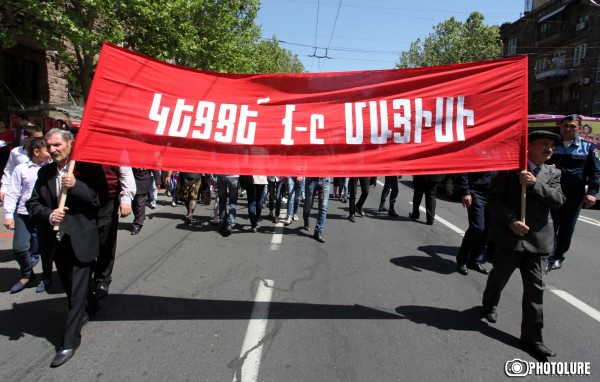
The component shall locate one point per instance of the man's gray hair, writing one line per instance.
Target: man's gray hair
(66, 135)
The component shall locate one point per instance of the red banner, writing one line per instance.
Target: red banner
(456, 118)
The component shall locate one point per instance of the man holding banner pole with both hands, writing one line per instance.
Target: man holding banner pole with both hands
(522, 230)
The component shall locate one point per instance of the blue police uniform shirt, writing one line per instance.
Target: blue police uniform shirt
(579, 166)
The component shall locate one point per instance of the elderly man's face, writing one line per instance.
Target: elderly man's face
(58, 148)
(541, 150)
(568, 130)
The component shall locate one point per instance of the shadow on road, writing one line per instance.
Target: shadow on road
(45, 318)
(434, 263)
(466, 321)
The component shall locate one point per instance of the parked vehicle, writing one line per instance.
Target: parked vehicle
(589, 130)
(450, 186)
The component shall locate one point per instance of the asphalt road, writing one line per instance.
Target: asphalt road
(379, 301)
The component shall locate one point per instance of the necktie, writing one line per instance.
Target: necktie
(536, 171)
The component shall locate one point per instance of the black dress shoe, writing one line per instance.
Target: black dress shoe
(319, 237)
(359, 212)
(478, 268)
(136, 230)
(538, 349)
(462, 269)
(351, 218)
(101, 291)
(429, 222)
(490, 316)
(62, 357)
(413, 216)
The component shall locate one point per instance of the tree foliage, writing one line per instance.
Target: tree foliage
(271, 58)
(454, 42)
(217, 35)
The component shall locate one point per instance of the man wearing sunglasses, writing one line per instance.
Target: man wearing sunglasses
(578, 161)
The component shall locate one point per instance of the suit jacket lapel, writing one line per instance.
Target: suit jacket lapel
(52, 186)
(543, 174)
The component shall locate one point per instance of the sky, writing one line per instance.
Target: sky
(366, 34)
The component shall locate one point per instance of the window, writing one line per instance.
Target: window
(596, 108)
(579, 54)
(598, 70)
(545, 30)
(575, 87)
(559, 59)
(512, 46)
(556, 95)
(74, 92)
(21, 76)
(538, 100)
(540, 65)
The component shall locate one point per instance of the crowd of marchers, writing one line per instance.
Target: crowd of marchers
(78, 235)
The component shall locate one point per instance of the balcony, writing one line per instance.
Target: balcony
(551, 73)
(554, 37)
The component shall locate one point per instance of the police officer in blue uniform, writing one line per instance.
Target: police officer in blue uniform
(578, 161)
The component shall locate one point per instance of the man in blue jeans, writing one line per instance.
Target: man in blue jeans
(316, 187)
(227, 186)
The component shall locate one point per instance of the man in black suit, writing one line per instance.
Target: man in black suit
(524, 245)
(474, 187)
(77, 243)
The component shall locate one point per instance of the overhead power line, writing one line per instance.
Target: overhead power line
(332, 31)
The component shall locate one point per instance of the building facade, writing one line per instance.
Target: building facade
(35, 85)
(560, 38)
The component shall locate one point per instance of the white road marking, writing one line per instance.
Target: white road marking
(591, 221)
(252, 348)
(277, 238)
(585, 308)
(445, 222)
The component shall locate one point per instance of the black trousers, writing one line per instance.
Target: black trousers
(422, 186)
(391, 184)
(108, 222)
(75, 279)
(530, 265)
(364, 192)
(474, 242)
(139, 209)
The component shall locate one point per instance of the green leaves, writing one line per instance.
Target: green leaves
(454, 42)
(217, 35)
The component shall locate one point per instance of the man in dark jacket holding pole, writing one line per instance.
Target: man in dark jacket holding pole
(524, 242)
(76, 244)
